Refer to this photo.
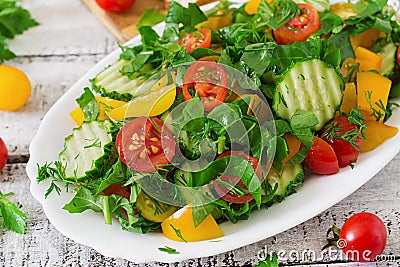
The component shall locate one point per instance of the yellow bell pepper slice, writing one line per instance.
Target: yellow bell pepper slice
(368, 60)
(372, 88)
(149, 105)
(376, 133)
(349, 100)
(293, 144)
(105, 104)
(365, 39)
(180, 227)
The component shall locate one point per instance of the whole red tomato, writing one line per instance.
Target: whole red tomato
(115, 6)
(363, 237)
(3, 154)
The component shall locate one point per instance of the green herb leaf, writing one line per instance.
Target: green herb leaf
(149, 36)
(200, 211)
(189, 17)
(84, 200)
(150, 17)
(14, 20)
(169, 250)
(88, 104)
(270, 261)
(13, 218)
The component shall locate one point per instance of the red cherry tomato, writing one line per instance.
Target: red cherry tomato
(117, 189)
(209, 80)
(299, 28)
(398, 55)
(224, 192)
(145, 143)
(115, 6)
(363, 237)
(346, 152)
(3, 154)
(198, 39)
(321, 158)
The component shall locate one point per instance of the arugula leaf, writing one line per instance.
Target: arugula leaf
(116, 175)
(277, 15)
(342, 42)
(14, 20)
(200, 211)
(329, 23)
(258, 56)
(237, 166)
(84, 200)
(203, 52)
(150, 17)
(303, 119)
(189, 17)
(88, 104)
(169, 250)
(13, 218)
(149, 36)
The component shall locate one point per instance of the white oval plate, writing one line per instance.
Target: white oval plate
(88, 228)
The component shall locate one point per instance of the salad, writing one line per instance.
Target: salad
(177, 135)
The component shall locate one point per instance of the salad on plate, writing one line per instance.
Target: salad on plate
(226, 111)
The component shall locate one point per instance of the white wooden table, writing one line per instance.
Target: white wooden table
(57, 53)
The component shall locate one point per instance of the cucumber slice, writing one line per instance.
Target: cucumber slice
(288, 180)
(111, 83)
(87, 150)
(309, 85)
(388, 54)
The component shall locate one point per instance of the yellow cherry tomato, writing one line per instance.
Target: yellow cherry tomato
(15, 88)
(180, 227)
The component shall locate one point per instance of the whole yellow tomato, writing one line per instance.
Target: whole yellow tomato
(15, 88)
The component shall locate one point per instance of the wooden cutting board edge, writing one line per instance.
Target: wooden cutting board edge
(122, 25)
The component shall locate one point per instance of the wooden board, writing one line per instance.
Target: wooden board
(122, 25)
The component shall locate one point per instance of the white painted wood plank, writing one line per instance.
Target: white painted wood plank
(66, 27)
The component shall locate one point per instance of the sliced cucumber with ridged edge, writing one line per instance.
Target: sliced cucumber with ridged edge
(388, 54)
(309, 85)
(86, 152)
(111, 83)
(289, 179)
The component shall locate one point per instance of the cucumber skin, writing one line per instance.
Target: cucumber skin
(111, 94)
(278, 102)
(290, 185)
(101, 164)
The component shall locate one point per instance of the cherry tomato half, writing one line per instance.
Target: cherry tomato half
(321, 158)
(299, 28)
(115, 6)
(209, 80)
(197, 39)
(363, 237)
(346, 152)
(117, 189)
(224, 192)
(3, 154)
(145, 143)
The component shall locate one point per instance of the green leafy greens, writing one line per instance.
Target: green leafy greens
(12, 216)
(14, 20)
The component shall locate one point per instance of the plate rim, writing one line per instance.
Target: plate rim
(387, 152)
